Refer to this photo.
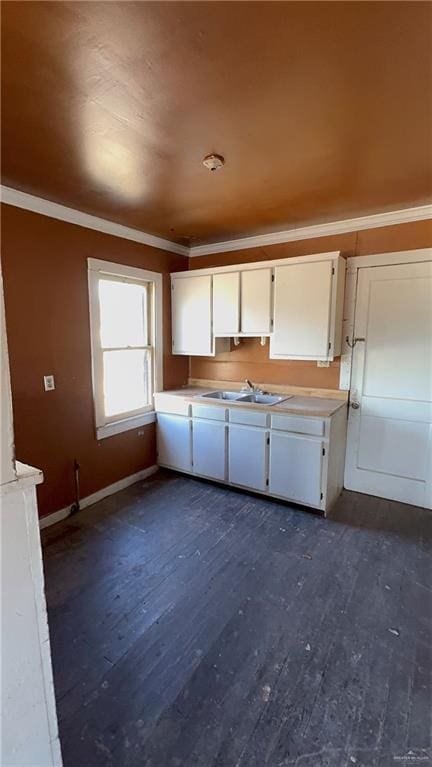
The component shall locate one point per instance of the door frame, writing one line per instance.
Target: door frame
(354, 263)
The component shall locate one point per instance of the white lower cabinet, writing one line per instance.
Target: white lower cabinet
(174, 441)
(296, 458)
(295, 468)
(247, 456)
(209, 448)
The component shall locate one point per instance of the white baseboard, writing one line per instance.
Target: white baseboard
(57, 516)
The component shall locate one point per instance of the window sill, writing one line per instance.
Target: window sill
(126, 425)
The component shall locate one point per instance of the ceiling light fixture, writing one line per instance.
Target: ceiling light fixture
(214, 161)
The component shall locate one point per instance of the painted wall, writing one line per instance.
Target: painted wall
(47, 320)
(250, 359)
(29, 719)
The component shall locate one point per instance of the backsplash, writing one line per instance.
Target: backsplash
(251, 360)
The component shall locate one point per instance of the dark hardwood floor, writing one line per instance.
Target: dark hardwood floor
(192, 625)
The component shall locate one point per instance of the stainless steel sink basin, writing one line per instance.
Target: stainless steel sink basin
(254, 397)
(263, 399)
(229, 395)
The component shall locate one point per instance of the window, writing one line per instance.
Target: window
(126, 340)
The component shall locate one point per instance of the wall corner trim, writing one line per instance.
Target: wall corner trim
(44, 207)
(373, 221)
(18, 199)
(99, 495)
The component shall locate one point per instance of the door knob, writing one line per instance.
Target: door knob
(355, 405)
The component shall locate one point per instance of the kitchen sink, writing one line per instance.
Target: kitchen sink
(263, 399)
(229, 395)
(254, 397)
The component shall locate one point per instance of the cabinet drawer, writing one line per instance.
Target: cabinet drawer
(206, 411)
(297, 424)
(248, 417)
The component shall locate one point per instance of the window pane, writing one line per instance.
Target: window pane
(125, 380)
(123, 314)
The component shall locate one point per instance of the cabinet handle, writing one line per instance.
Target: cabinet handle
(355, 405)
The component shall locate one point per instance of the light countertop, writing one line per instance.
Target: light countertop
(296, 404)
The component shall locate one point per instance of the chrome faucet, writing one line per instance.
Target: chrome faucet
(250, 387)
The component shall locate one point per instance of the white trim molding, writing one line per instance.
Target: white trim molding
(373, 221)
(353, 265)
(44, 207)
(117, 427)
(108, 427)
(99, 495)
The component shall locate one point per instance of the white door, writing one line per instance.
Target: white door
(174, 442)
(389, 427)
(302, 303)
(256, 301)
(295, 468)
(226, 303)
(209, 448)
(247, 463)
(191, 315)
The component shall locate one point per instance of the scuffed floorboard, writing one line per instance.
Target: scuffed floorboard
(195, 626)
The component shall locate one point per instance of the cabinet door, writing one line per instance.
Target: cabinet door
(247, 447)
(191, 315)
(256, 301)
(174, 441)
(295, 468)
(209, 448)
(226, 303)
(302, 302)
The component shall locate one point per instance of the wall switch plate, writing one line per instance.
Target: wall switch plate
(323, 363)
(49, 384)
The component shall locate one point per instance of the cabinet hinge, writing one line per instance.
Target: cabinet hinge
(333, 270)
(268, 440)
(267, 482)
(323, 451)
(271, 323)
(272, 277)
(321, 496)
(329, 344)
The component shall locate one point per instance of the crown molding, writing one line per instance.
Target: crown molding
(44, 207)
(404, 216)
(35, 204)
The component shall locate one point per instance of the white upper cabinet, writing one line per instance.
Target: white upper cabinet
(191, 315)
(226, 304)
(256, 287)
(298, 302)
(308, 302)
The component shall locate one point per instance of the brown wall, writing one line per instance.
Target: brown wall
(250, 359)
(47, 315)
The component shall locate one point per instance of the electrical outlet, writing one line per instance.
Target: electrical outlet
(49, 384)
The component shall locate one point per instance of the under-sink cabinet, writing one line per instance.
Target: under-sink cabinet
(209, 448)
(247, 456)
(294, 458)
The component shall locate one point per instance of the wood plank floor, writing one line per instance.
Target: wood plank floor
(192, 625)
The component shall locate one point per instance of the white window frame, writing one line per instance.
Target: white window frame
(97, 268)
